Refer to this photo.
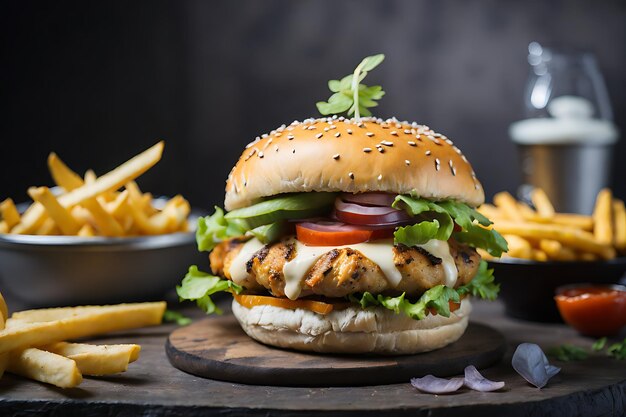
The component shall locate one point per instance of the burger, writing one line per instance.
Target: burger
(349, 235)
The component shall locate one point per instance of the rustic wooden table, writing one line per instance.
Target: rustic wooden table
(152, 387)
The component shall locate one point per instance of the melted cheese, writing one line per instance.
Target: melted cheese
(380, 252)
(238, 271)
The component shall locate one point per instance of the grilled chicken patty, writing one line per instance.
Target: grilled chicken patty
(344, 271)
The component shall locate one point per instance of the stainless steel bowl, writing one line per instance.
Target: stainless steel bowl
(72, 270)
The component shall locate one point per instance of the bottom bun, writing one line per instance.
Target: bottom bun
(353, 330)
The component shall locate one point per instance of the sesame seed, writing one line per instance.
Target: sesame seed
(360, 124)
(290, 137)
(452, 168)
(411, 143)
(370, 134)
(367, 150)
(336, 156)
(407, 131)
(337, 134)
(407, 162)
(331, 127)
(476, 186)
(449, 142)
(380, 177)
(427, 153)
(277, 134)
(276, 148)
(293, 151)
(393, 132)
(326, 129)
(312, 127)
(349, 131)
(437, 164)
(264, 135)
(464, 159)
(381, 150)
(261, 155)
(351, 175)
(398, 126)
(387, 143)
(319, 135)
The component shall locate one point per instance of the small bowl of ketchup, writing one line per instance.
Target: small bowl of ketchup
(593, 309)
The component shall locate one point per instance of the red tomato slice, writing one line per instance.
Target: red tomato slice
(336, 234)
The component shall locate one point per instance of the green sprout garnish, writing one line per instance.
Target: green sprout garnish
(352, 96)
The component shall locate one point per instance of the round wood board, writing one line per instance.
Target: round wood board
(218, 348)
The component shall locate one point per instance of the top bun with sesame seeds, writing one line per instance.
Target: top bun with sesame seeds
(354, 156)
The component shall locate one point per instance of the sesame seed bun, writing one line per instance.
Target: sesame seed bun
(349, 155)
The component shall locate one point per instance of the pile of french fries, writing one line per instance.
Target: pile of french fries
(95, 206)
(32, 342)
(542, 234)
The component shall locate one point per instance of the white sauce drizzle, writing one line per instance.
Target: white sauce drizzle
(238, 271)
(381, 253)
(441, 249)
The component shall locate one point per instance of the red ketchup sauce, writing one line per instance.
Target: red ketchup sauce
(593, 310)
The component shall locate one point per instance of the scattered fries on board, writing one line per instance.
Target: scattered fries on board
(94, 206)
(542, 234)
(32, 342)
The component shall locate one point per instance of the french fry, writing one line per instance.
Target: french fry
(143, 222)
(575, 238)
(48, 227)
(9, 213)
(86, 231)
(579, 221)
(46, 326)
(588, 257)
(525, 209)
(619, 221)
(603, 228)
(61, 216)
(4, 227)
(491, 212)
(542, 203)
(4, 310)
(505, 202)
(518, 247)
(96, 360)
(113, 180)
(45, 367)
(90, 176)
(556, 251)
(539, 255)
(62, 175)
(107, 225)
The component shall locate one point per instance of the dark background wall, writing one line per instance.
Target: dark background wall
(100, 81)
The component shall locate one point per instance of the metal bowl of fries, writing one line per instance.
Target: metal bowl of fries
(95, 240)
(549, 249)
(75, 270)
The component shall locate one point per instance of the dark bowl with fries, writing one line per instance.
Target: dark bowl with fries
(527, 287)
(75, 270)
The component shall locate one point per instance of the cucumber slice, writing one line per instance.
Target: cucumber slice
(285, 207)
(269, 233)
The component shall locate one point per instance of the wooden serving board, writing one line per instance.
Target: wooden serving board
(217, 348)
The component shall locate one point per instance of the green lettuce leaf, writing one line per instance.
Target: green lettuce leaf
(215, 229)
(437, 298)
(445, 214)
(198, 286)
(482, 285)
